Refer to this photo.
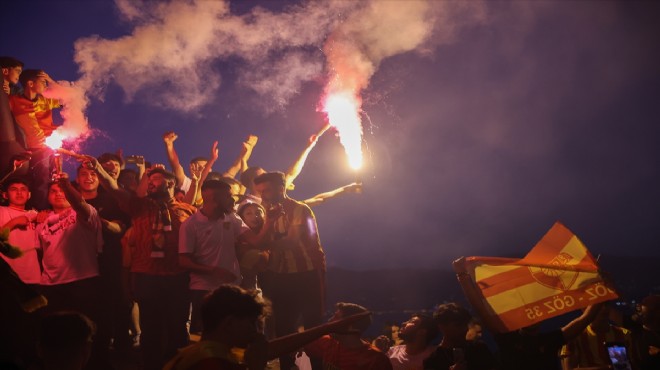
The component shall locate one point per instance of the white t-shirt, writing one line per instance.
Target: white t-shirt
(70, 247)
(26, 266)
(401, 360)
(211, 243)
(185, 186)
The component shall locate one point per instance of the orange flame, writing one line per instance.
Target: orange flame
(343, 110)
(55, 140)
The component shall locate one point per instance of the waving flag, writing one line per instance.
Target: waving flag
(557, 276)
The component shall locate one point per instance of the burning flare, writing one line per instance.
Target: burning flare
(343, 110)
(55, 140)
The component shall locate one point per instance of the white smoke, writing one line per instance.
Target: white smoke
(382, 29)
(74, 103)
(172, 55)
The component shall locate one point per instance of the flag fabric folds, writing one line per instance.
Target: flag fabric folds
(557, 276)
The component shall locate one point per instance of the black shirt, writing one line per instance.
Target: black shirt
(643, 339)
(108, 208)
(477, 355)
(534, 351)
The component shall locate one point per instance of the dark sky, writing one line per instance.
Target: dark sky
(537, 112)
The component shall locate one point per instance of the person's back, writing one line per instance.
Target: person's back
(230, 317)
(65, 341)
(524, 348)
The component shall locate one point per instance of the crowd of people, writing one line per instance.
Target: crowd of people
(114, 259)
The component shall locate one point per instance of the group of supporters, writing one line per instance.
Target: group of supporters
(226, 256)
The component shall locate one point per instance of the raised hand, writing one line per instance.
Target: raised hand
(169, 137)
(214, 151)
(249, 143)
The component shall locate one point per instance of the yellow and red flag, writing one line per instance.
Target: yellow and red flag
(557, 276)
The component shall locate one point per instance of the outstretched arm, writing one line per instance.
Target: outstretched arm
(173, 157)
(108, 182)
(194, 193)
(472, 294)
(320, 198)
(143, 185)
(193, 190)
(292, 342)
(73, 196)
(257, 240)
(298, 165)
(577, 326)
(240, 164)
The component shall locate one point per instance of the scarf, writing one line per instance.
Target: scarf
(161, 223)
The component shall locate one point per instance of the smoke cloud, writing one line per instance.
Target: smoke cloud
(172, 55)
(74, 103)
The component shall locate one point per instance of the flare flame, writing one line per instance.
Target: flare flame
(343, 110)
(55, 140)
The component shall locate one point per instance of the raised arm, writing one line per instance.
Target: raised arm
(143, 185)
(257, 240)
(193, 190)
(173, 157)
(295, 169)
(472, 294)
(320, 198)
(194, 193)
(577, 326)
(240, 164)
(108, 182)
(292, 342)
(141, 166)
(73, 196)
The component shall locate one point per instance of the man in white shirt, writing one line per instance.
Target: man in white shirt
(71, 239)
(207, 245)
(22, 234)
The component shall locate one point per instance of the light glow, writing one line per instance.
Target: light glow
(343, 110)
(55, 140)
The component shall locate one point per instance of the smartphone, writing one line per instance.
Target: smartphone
(618, 356)
(135, 159)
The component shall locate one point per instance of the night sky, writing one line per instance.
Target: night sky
(508, 117)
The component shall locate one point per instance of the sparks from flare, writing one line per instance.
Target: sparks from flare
(343, 110)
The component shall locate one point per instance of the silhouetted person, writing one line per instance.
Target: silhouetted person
(646, 338)
(65, 341)
(589, 348)
(231, 318)
(455, 352)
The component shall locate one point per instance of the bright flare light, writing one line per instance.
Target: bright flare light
(343, 110)
(55, 140)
